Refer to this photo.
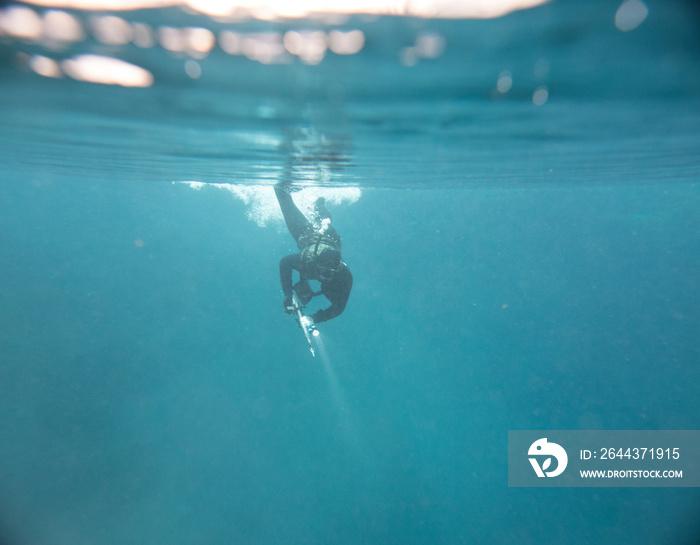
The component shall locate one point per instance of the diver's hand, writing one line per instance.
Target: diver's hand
(307, 322)
(288, 304)
(304, 292)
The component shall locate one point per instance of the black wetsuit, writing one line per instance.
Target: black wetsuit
(337, 288)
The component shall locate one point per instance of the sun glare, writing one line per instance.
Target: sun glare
(270, 9)
(106, 70)
(56, 29)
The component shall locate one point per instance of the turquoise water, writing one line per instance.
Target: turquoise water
(516, 266)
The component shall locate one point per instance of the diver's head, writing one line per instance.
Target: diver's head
(327, 263)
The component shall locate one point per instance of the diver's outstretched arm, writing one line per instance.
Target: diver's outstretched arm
(337, 292)
(287, 265)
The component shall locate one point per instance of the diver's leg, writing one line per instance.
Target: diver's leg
(321, 211)
(295, 220)
(323, 218)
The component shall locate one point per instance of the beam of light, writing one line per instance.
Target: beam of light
(346, 421)
(271, 9)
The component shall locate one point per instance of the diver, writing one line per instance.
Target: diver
(319, 258)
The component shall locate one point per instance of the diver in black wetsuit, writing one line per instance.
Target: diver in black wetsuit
(319, 259)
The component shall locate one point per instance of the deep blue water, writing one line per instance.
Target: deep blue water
(516, 267)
